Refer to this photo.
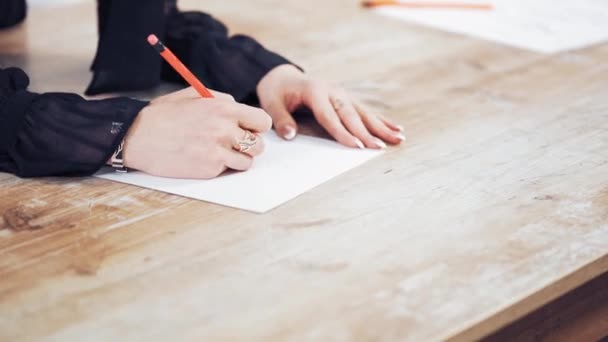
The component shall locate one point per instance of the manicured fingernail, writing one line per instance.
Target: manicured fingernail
(380, 143)
(290, 133)
(400, 136)
(359, 143)
(400, 128)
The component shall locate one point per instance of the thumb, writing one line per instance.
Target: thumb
(283, 121)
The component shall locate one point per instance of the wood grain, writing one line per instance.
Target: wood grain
(497, 204)
(581, 315)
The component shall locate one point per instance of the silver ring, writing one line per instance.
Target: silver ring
(337, 104)
(248, 142)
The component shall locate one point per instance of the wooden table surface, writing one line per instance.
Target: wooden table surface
(497, 204)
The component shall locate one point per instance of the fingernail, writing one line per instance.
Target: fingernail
(380, 143)
(400, 128)
(359, 143)
(290, 133)
(400, 136)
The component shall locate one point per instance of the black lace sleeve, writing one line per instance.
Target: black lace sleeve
(58, 134)
(231, 64)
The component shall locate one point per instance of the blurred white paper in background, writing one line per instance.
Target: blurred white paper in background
(52, 3)
(284, 171)
(545, 26)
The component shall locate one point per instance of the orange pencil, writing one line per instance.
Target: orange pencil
(179, 66)
(415, 4)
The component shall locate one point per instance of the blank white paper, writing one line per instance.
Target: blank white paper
(545, 26)
(285, 170)
(52, 3)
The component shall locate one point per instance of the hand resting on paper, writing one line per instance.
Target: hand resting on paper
(285, 88)
(199, 139)
(64, 134)
(182, 135)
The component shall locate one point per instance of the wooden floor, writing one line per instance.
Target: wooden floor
(496, 206)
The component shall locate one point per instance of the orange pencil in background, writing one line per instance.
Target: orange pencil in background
(423, 4)
(179, 66)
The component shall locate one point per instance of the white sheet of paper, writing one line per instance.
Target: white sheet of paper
(545, 26)
(285, 170)
(52, 3)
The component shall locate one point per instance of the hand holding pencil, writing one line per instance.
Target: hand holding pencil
(348, 121)
(194, 133)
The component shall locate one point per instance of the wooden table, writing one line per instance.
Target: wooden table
(497, 204)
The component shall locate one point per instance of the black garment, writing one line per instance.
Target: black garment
(12, 12)
(59, 134)
(232, 65)
(124, 60)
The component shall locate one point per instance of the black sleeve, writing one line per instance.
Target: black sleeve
(125, 62)
(12, 12)
(58, 134)
(231, 64)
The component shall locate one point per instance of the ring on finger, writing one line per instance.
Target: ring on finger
(337, 103)
(248, 142)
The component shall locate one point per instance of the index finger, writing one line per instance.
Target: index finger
(190, 93)
(252, 119)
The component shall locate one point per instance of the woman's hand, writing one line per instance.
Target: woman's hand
(285, 88)
(182, 135)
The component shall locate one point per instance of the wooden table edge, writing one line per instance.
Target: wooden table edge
(482, 327)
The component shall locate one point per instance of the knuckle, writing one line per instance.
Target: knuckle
(221, 105)
(267, 121)
(227, 108)
(227, 97)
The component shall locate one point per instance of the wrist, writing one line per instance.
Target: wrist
(131, 139)
(126, 156)
(278, 75)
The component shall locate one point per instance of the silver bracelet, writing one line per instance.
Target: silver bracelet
(118, 162)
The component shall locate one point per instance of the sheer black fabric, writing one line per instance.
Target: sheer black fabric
(230, 64)
(124, 61)
(58, 134)
(12, 12)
